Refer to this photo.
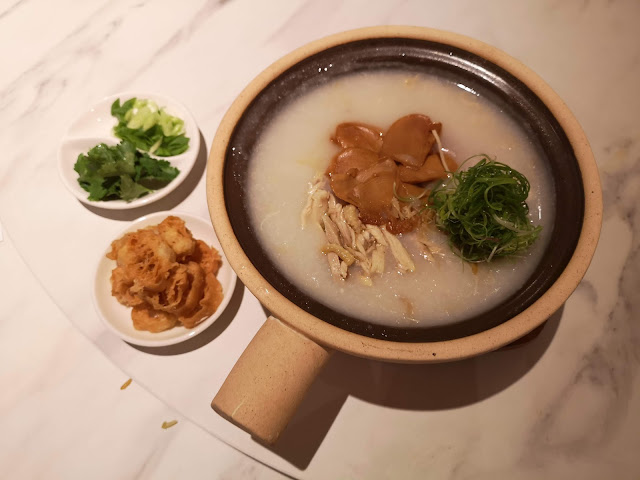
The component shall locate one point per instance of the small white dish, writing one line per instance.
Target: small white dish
(96, 125)
(117, 317)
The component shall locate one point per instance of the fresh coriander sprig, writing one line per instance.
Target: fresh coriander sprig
(121, 172)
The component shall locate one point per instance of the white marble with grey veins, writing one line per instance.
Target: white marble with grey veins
(564, 405)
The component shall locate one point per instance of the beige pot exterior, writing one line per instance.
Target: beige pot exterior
(269, 381)
(335, 338)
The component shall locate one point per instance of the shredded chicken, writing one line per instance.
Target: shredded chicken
(331, 231)
(351, 242)
(399, 252)
(377, 234)
(431, 249)
(351, 217)
(317, 202)
(344, 255)
(377, 259)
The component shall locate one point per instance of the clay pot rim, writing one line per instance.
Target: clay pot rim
(339, 339)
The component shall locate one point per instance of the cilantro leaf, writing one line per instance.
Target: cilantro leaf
(130, 190)
(154, 173)
(121, 172)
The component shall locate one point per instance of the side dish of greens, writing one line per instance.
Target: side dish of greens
(484, 211)
(121, 172)
(147, 126)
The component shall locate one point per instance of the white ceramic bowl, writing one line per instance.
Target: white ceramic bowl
(95, 126)
(117, 317)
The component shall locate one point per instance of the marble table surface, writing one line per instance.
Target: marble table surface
(565, 404)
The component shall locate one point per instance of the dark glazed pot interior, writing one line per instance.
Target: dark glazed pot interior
(451, 64)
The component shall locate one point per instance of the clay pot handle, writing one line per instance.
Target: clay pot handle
(269, 380)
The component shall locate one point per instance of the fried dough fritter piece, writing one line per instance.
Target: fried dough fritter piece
(145, 259)
(198, 283)
(120, 288)
(185, 288)
(212, 299)
(174, 231)
(146, 318)
(208, 257)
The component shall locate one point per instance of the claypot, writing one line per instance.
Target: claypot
(271, 377)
